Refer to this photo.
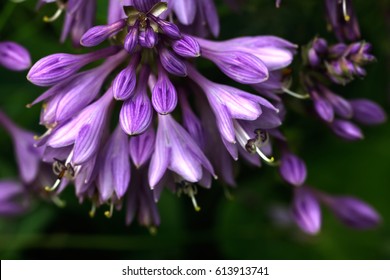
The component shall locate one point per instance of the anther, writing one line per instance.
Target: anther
(270, 161)
(345, 12)
(58, 202)
(54, 187)
(191, 191)
(109, 213)
(93, 210)
(294, 94)
(56, 15)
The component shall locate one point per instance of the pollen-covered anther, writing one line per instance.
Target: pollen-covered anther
(345, 12)
(60, 8)
(109, 212)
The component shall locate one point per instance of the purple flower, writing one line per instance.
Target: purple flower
(67, 98)
(172, 63)
(346, 130)
(306, 210)
(114, 173)
(249, 59)
(141, 147)
(27, 155)
(13, 198)
(353, 212)
(164, 96)
(140, 202)
(84, 131)
(97, 34)
(367, 112)
(177, 151)
(136, 113)
(229, 103)
(57, 67)
(343, 20)
(198, 17)
(80, 16)
(187, 46)
(124, 84)
(14, 57)
(293, 169)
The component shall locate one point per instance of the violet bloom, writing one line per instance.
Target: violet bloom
(155, 55)
(293, 169)
(80, 16)
(14, 57)
(14, 199)
(306, 210)
(27, 155)
(176, 150)
(248, 60)
(352, 211)
(341, 62)
(197, 16)
(140, 202)
(341, 16)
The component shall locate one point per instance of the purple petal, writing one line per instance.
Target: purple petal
(164, 96)
(172, 63)
(14, 57)
(97, 34)
(187, 46)
(141, 147)
(347, 130)
(367, 112)
(353, 212)
(293, 170)
(306, 210)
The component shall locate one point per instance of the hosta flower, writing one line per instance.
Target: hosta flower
(176, 129)
(339, 64)
(341, 16)
(14, 57)
(79, 17)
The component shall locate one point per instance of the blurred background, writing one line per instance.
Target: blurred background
(248, 224)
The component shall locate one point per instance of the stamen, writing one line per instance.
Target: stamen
(56, 15)
(58, 201)
(47, 133)
(345, 12)
(190, 190)
(294, 94)
(93, 210)
(109, 213)
(270, 161)
(54, 187)
(192, 195)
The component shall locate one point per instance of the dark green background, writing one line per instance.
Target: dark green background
(234, 229)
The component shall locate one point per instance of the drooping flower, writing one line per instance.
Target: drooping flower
(14, 57)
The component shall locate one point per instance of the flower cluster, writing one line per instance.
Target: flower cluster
(145, 118)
